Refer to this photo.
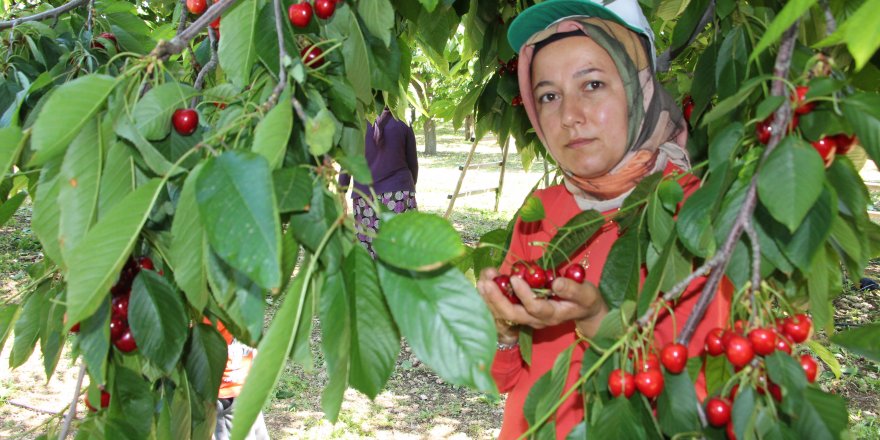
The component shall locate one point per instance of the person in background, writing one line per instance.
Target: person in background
(390, 150)
(238, 364)
(588, 86)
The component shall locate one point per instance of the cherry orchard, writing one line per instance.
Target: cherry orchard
(211, 146)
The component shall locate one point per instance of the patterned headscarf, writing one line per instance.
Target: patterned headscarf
(657, 132)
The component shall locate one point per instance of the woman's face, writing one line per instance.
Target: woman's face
(581, 105)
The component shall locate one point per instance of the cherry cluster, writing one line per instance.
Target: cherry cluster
(648, 377)
(537, 277)
(300, 14)
(827, 146)
(742, 348)
(120, 333)
(510, 66)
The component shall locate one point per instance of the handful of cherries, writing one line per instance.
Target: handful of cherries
(538, 278)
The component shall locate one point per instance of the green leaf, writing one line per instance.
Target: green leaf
(94, 341)
(618, 420)
(293, 189)
(744, 410)
(717, 373)
(130, 394)
(787, 182)
(241, 300)
(97, 260)
(27, 327)
(10, 147)
(731, 103)
(792, 11)
(152, 114)
(117, 179)
(345, 27)
(444, 320)
(785, 371)
(181, 412)
(378, 16)
(825, 355)
(571, 236)
(620, 277)
(8, 316)
(52, 332)
(188, 245)
(157, 319)
(78, 187)
(688, 22)
(417, 241)
(548, 389)
(660, 222)
(724, 145)
(69, 106)
(8, 208)
(236, 50)
(311, 226)
(272, 133)
(234, 192)
(273, 351)
(863, 112)
(801, 247)
(154, 159)
(863, 341)
(429, 4)
(375, 342)
(615, 323)
(677, 405)
(862, 43)
(694, 222)
(671, 194)
(321, 132)
(490, 251)
(532, 210)
(46, 217)
(821, 415)
(204, 360)
(732, 61)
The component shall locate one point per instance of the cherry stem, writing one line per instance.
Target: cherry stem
(282, 56)
(72, 410)
(51, 13)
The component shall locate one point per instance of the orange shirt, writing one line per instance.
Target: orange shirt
(516, 378)
(238, 363)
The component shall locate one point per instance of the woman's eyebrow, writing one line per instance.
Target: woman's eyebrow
(578, 74)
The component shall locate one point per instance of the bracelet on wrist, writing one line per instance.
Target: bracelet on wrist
(507, 347)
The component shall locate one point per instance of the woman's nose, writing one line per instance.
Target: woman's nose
(573, 112)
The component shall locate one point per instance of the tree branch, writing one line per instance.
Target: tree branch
(52, 13)
(781, 119)
(72, 410)
(166, 48)
(664, 60)
(830, 22)
(200, 79)
(282, 55)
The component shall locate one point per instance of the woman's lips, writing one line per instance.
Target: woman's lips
(580, 142)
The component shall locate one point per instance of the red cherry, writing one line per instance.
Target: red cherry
(550, 275)
(118, 326)
(648, 362)
(146, 262)
(674, 357)
(535, 276)
(714, 346)
(798, 327)
(196, 6)
(811, 368)
(310, 56)
(185, 121)
(512, 65)
(844, 142)
(782, 344)
(763, 340)
(503, 283)
(826, 147)
(300, 14)
(763, 131)
(775, 391)
(687, 107)
(733, 391)
(739, 351)
(105, 399)
(802, 106)
(621, 382)
(126, 343)
(75, 328)
(516, 101)
(731, 435)
(119, 306)
(519, 269)
(650, 383)
(739, 326)
(575, 272)
(96, 44)
(324, 8)
(726, 336)
(216, 24)
(718, 411)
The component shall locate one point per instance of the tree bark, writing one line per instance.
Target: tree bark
(430, 136)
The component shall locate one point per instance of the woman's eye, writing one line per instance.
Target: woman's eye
(593, 85)
(547, 97)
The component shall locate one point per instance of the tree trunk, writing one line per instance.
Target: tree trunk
(469, 127)
(430, 136)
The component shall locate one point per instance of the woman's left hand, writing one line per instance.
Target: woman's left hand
(580, 302)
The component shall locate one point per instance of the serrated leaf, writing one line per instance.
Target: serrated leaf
(293, 189)
(821, 415)
(272, 133)
(615, 323)
(618, 420)
(863, 341)
(95, 263)
(620, 277)
(826, 356)
(336, 328)
(126, 129)
(444, 320)
(345, 27)
(321, 132)
(78, 187)
(273, 351)
(789, 183)
(94, 341)
(236, 50)
(8, 316)
(130, 394)
(27, 327)
(8, 208)
(10, 147)
(152, 114)
(188, 245)
(677, 405)
(117, 180)
(532, 210)
(378, 16)
(574, 234)
(204, 360)
(70, 106)
(45, 220)
(548, 389)
(157, 319)
(234, 193)
(417, 241)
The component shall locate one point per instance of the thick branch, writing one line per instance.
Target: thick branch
(52, 13)
(282, 55)
(167, 48)
(781, 119)
(664, 60)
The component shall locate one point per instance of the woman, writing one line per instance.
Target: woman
(390, 149)
(587, 83)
